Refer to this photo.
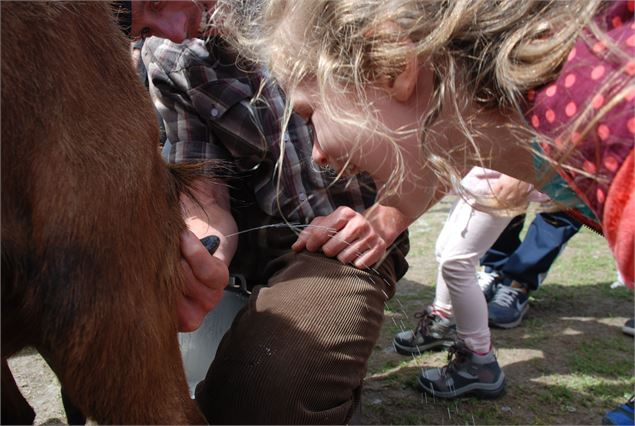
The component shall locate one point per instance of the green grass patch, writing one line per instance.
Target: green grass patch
(602, 357)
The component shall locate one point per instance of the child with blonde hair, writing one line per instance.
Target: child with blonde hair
(416, 92)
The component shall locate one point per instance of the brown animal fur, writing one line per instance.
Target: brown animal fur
(90, 218)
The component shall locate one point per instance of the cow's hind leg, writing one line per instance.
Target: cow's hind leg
(126, 367)
(73, 414)
(15, 409)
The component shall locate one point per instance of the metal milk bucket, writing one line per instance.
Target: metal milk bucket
(199, 347)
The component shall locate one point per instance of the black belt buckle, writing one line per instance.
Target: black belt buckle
(238, 284)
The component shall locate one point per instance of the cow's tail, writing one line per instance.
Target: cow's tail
(186, 177)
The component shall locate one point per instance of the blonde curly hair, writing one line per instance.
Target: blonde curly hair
(496, 50)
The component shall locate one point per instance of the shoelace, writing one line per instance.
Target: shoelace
(505, 296)
(457, 354)
(425, 321)
(485, 279)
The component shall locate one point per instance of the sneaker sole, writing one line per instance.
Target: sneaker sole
(480, 390)
(409, 350)
(628, 330)
(513, 323)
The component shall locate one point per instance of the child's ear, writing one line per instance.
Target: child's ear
(402, 86)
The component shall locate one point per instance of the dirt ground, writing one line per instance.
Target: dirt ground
(568, 362)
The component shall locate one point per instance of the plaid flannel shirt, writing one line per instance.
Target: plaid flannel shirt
(215, 110)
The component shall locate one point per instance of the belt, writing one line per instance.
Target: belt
(237, 283)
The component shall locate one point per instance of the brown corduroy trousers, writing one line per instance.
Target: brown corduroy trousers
(297, 353)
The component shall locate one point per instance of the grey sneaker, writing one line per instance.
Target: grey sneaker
(432, 331)
(629, 327)
(488, 281)
(467, 373)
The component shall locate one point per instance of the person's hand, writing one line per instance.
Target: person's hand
(344, 234)
(205, 278)
(510, 192)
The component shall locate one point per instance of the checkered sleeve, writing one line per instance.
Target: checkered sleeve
(207, 114)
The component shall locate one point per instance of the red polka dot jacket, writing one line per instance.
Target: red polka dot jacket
(597, 162)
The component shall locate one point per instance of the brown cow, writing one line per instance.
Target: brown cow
(90, 220)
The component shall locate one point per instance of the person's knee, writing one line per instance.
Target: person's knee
(457, 269)
(306, 354)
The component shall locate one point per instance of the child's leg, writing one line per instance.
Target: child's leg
(469, 234)
(435, 326)
(442, 302)
(506, 243)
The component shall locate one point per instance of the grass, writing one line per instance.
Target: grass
(568, 362)
(606, 357)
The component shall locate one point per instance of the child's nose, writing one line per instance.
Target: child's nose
(318, 156)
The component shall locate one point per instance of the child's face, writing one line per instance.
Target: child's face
(356, 143)
(386, 145)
